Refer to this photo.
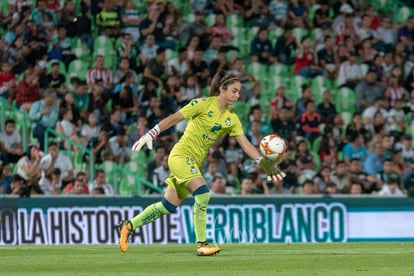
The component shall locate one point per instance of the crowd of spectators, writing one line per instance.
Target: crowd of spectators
(334, 78)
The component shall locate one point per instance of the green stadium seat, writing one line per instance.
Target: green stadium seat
(278, 69)
(316, 144)
(128, 185)
(384, 6)
(402, 14)
(77, 68)
(299, 33)
(234, 20)
(258, 70)
(345, 100)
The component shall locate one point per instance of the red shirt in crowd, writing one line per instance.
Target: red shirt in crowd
(27, 93)
(305, 61)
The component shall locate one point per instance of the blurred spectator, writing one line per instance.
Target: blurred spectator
(108, 20)
(290, 182)
(233, 155)
(304, 160)
(406, 34)
(99, 147)
(305, 65)
(198, 28)
(27, 91)
(100, 182)
(246, 186)
(221, 30)
(188, 90)
(340, 177)
(328, 58)
(67, 16)
(406, 145)
(28, 166)
(157, 68)
(55, 78)
(322, 18)
(79, 176)
(387, 35)
(155, 24)
(78, 188)
(120, 74)
(261, 47)
(308, 187)
(5, 178)
(298, 14)
(357, 175)
(149, 49)
(161, 173)
(118, 145)
(81, 98)
(10, 143)
(368, 90)
(53, 160)
(396, 117)
(355, 189)
(192, 45)
(40, 72)
(278, 102)
(44, 114)
(345, 28)
(356, 126)
(254, 134)
(218, 186)
(370, 112)
(51, 184)
(90, 129)
(41, 11)
(321, 180)
(100, 72)
(374, 163)
(392, 187)
(198, 67)
(366, 52)
(61, 47)
(126, 103)
(376, 66)
(159, 153)
(7, 82)
(310, 122)
(131, 19)
(257, 14)
(300, 103)
(84, 28)
(285, 47)
(326, 108)
(213, 50)
(67, 128)
(328, 151)
(284, 126)
(355, 149)
(129, 51)
(97, 102)
(256, 114)
(17, 53)
(387, 171)
(16, 186)
(279, 11)
(178, 66)
(349, 72)
(68, 103)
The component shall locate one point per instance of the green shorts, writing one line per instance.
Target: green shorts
(183, 170)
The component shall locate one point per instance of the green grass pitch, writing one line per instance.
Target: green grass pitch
(391, 259)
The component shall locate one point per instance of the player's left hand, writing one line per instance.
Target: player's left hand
(270, 167)
(147, 139)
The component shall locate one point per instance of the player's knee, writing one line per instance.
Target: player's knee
(168, 206)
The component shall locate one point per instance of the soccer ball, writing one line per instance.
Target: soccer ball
(272, 146)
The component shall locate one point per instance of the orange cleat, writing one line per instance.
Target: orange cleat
(204, 249)
(125, 230)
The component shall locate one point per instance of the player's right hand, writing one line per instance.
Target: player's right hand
(147, 139)
(144, 140)
(270, 167)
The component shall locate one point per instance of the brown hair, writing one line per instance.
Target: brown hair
(221, 79)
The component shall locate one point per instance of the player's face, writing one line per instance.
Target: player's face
(232, 93)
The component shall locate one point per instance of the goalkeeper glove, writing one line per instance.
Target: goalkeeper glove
(270, 167)
(147, 139)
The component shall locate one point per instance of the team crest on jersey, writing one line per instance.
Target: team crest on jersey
(210, 113)
(193, 170)
(227, 122)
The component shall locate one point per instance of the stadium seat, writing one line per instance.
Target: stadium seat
(346, 117)
(345, 100)
(278, 69)
(299, 33)
(128, 185)
(384, 6)
(316, 144)
(402, 14)
(109, 168)
(81, 53)
(258, 70)
(319, 85)
(364, 68)
(235, 20)
(77, 68)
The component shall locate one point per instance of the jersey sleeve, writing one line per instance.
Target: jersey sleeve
(237, 129)
(193, 108)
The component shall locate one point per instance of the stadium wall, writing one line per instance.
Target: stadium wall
(57, 220)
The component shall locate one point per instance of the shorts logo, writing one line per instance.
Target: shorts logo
(227, 122)
(193, 170)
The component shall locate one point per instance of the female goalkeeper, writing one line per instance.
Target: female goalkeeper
(208, 119)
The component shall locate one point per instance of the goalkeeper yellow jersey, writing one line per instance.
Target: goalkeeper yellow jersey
(206, 124)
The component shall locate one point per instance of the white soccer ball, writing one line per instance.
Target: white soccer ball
(272, 147)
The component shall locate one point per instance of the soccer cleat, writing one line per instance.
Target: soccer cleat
(125, 230)
(203, 249)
